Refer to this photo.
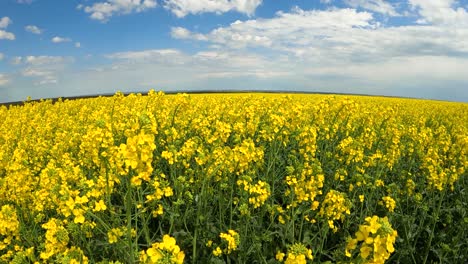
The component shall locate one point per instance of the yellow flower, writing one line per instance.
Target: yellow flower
(351, 245)
(79, 218)
(99, 206)
(298, 253)
(379, 183)
(280, 256)
(363, 233)
(168, 191)
(389, 203)
(114, 234)
(374, 225)
(166, 251)
(365, 251)
(334, 207)
(232, 238)
(217, 252)
(209, 243)
(377, 239)
(361, 198)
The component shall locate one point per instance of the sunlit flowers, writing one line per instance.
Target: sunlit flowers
(375, 241)
(165, 252)
(298, 253)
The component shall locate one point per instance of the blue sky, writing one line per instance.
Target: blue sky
(414, 48)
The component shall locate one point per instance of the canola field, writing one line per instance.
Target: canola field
(234, 178)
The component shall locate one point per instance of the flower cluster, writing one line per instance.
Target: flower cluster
(165, 252)
(334, 207)
(298, 253)
(114, 234)
(230, 242)
(9, 226)
(56, 238)
(137, 154)
(258, 193)
(375, 239)
(389, 203)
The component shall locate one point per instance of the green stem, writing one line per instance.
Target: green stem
(434, 222)
(194, 246)
(128, 213)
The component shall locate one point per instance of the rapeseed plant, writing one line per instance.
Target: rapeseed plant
(278, 172)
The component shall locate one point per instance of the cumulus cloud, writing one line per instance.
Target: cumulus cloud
(60, 39)
(440, 12)
(4, 23)
(183, 33)
(33, 29)
(287, 31)
(378, 6)
(77, 45)
(335, 35)
(342, 49)
(182, 8)
(339, 44)
(103, 11)
(6, 35)
(311, 47)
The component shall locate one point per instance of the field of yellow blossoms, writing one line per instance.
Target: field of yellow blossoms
(234, 178)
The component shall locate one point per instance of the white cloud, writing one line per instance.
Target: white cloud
(335, 35)
(43, 69)
(33, 29)
(338, 49)
(103, 11)
(440, 12)
(143, 55)
(1, 56)
(60, 39)
(3, 79)
(182, 8)
(165, 56)
(261, 74)
(379, 6)
(77, 45)
(6, 35)
(24, 1)
(35, 73)
(209, 61)
(5, 22)
(415, 68)
(161, 65)
(180, 33)
(320, 46)
(183, 33)
(45, 60)
(287, 31)
(43, 76)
